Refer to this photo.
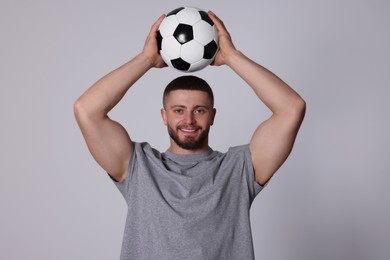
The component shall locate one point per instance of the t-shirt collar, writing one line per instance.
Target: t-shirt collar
(187, 158)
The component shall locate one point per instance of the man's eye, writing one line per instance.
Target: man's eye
(178, 110)
(200, 111)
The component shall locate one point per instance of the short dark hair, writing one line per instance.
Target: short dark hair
(189, 82)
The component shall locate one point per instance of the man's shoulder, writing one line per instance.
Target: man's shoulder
(146, 149)
(238, 149)
(233, 153)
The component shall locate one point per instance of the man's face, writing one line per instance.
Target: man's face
(188, 115)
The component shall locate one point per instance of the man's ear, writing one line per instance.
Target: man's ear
(213, 113)
(164, 115)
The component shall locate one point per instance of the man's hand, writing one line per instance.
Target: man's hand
(150, 48)
(226, 46)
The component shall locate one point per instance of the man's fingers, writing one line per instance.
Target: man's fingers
(157, 23)
(218, 23)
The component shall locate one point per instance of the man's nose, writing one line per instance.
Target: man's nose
(189, 118)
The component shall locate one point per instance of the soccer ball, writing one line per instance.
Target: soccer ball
(187, 39)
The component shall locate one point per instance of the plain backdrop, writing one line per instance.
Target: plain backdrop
(330, 200)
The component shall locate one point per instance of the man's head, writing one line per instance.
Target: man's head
(189, 83)
(188, 114)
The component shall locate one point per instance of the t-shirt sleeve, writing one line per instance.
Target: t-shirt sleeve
(241, 154)
(253, 186)
(124, 184)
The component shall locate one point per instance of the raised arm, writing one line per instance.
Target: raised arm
(274, 138)
(108, 142)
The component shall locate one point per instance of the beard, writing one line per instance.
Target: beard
(189, 142)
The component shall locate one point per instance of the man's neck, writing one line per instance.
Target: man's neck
(178, 150)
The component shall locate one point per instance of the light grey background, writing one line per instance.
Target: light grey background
(329, 201)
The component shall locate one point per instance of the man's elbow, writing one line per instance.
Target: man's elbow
(81, 111)
(297, 109)
(300, 107)
(78, 109)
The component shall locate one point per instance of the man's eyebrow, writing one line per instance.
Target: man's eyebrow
(177, 106)
(195, 107)
(202, 106)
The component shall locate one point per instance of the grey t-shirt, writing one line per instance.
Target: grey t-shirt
(188, 206)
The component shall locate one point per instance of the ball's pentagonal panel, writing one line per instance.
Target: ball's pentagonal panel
(180, 64)
(210, 50)
(159, 40)
(173, 12)
(188, 16)
(171, 47)
(168, 25)
(203, 32)
(192, 51)
(183, 33)
(205, 17)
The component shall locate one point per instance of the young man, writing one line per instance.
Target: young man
(190, 202)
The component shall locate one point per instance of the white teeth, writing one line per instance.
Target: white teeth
(188, 130)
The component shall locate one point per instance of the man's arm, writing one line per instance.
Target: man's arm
(107, 140)
(273, 140)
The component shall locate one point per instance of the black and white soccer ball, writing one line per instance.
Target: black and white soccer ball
(187, 39)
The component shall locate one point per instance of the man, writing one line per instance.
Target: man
(190, 202)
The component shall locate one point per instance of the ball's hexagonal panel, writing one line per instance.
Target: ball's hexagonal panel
(166, 58)
(183, 33)
(171, 47)
(168, 26)
(192, 51)
(215, 34)
(188, 16)
(203, 32)
(199, 65)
